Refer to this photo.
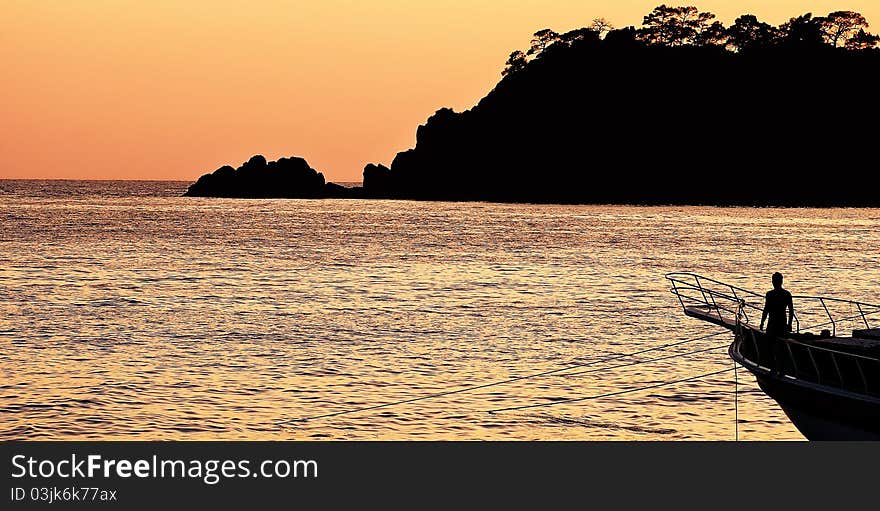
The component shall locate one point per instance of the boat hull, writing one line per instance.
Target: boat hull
(822, 415)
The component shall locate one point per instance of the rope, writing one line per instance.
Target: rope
(497, 383)
(739, 315)
(637, 362)
(736, 401)
(610, 394)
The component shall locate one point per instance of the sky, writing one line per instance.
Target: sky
(172, 89)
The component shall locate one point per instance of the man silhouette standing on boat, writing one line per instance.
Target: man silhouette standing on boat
(776, 302)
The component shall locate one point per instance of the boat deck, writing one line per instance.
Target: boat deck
(860, 343)
(711, 315)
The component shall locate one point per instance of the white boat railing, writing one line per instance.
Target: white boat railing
(723, 300)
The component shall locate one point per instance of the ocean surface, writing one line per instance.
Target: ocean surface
(128, 312)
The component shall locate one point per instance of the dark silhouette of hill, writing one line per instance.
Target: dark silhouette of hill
(753, 115)
(286, 178)
(680, 111)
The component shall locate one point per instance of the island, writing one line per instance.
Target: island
(286, 178)
(682, 110)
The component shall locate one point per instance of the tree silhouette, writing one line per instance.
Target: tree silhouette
(579, 34)
(840, 26)
(675, 26)
(516, 62)
(748, 33)
(688, 26)
(541, 40)
(601, 26)
(862, 41)
(804, 31)
(713, 35)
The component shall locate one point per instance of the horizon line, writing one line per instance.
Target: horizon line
(118, 180)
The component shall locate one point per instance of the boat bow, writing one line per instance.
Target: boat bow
(827, 384)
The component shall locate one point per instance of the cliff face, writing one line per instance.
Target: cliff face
(618, 121)
(257, 178)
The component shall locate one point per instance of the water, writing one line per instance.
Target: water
(130, 313)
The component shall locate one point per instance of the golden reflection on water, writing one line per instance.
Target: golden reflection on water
(173, 318)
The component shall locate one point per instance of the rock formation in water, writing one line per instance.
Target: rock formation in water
(752, 115)
(680, 111)
(285, 178)
(378, 179)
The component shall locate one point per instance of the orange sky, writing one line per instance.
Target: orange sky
(171, 89)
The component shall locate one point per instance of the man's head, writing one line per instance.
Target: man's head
(777, 280)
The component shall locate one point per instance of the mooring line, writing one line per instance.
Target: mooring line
(735, 402)
(609, 394)
(648, 361)
(498, 383)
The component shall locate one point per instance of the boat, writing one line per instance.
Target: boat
(824, 374)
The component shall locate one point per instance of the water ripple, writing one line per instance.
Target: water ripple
(133, 314)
